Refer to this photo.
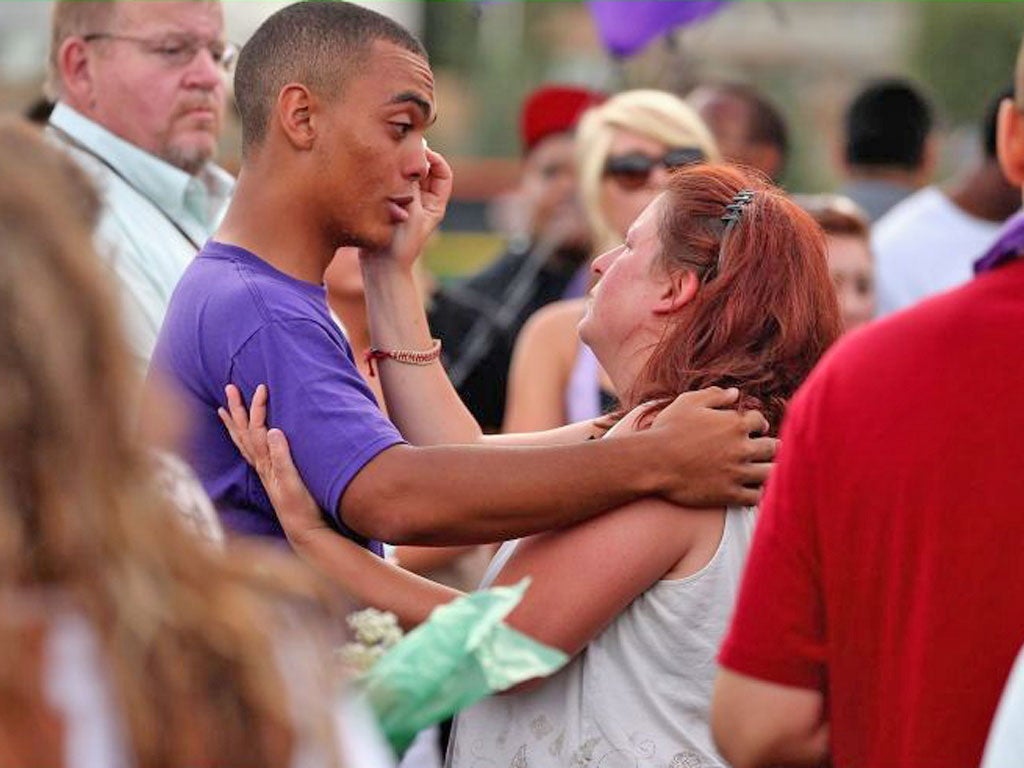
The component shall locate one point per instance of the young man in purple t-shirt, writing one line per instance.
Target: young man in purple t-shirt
(334, 101)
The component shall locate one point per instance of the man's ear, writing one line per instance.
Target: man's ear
(295, 107)
(75, 77)
(1010, 142)
(680, 288)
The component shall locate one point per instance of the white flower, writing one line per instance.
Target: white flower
(374, 632)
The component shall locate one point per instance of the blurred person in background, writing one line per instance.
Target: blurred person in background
(748, 128)
(929, 242)
(889, 150)
(721, 281)
(478, 319)
(882, 605)
(125, 640)
(848, 244)
(140, 91)
(625, 150)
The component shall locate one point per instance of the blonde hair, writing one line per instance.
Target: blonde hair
(186, 633)
(650, 113)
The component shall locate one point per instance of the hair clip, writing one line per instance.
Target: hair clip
(734, 210)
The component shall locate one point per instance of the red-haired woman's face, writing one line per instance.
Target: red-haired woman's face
(621, 308)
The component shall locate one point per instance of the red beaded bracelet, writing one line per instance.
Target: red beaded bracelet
(407, 356)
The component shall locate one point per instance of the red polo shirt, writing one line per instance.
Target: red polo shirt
(887, 570)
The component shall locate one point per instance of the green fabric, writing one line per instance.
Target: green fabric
(461, 654)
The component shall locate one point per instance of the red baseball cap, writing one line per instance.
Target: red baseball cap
(554, 109)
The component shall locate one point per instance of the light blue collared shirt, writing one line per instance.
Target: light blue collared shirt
(135, 234)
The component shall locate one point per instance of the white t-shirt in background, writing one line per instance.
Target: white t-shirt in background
(925, 245)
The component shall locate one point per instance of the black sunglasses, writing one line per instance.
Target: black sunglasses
(633, 170)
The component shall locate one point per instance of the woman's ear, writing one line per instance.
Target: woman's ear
(679, 289)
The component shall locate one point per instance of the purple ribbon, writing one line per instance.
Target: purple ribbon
(627, 26)
(1008, 246)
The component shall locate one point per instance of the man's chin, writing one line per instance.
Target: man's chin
(190, 157)
(373, 242)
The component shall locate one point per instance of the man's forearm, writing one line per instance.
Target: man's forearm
(476, 494)
(421, 400)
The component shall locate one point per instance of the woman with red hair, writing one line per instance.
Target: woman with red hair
(722, 281)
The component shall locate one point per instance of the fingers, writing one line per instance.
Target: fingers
(236, 419)
(755, 423)
(236, 407)
(748, 497)
(247, 428)
(438, 181)
(234, 434)
(754, 474)
(439, 168)
(762, 449)
(711, 397)
(258, 409)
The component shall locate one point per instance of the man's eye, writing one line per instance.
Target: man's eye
(172, 50)
(402, 129)
(175, 51)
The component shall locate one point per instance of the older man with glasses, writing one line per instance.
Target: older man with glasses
(140, 91)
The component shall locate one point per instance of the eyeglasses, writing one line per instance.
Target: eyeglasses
(177, 51)
(633, 170)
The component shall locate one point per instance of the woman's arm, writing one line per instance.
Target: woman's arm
(366, 577)
(541, 363)
(426, 560)
(583, 576)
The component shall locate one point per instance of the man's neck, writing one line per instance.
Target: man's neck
(984, 193)
(265, 220)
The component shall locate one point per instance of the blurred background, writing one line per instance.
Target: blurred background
(808, 57)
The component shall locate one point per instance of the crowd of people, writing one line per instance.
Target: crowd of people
(230, 413)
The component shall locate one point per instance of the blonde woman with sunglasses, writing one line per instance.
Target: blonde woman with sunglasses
(625, 150)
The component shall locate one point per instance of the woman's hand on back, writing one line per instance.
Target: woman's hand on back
(268, 453)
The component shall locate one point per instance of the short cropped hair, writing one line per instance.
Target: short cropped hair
(73, 18)
(319, 43)
(887, 124)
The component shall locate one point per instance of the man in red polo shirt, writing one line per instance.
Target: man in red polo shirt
(883, 602)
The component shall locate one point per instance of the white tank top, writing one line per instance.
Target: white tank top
(638, 696)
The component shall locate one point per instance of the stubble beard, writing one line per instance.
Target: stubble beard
(189, 158)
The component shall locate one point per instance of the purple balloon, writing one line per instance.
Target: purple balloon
(627, 26)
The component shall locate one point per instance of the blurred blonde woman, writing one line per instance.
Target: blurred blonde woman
(625, 150)
(125, 640)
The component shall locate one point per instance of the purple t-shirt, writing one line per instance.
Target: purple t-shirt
(235, 319)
